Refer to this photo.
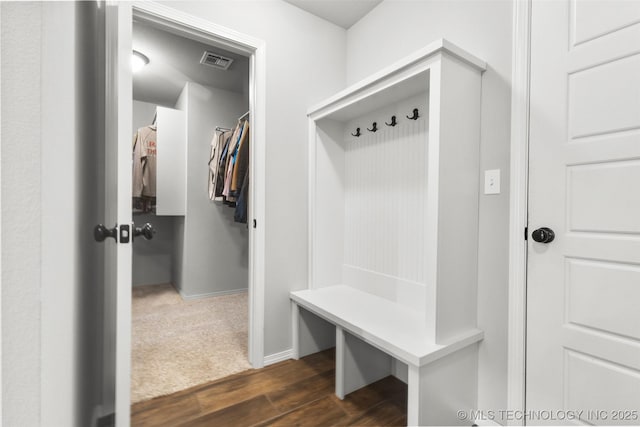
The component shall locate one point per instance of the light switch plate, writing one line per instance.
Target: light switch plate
(492, 181)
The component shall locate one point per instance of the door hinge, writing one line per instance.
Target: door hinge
(255, 223)
(526, 233)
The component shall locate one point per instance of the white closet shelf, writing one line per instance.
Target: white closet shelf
(409, 75)
(393, 328)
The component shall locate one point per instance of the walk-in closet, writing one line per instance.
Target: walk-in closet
(190, 163)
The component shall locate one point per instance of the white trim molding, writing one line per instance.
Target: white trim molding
(278, 357)
(186, 297)
(206, 31)
(1, 329)
(518, 206)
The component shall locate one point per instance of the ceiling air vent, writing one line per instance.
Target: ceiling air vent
(216, 61)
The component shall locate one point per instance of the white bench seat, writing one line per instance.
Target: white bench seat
(399, 332)
(393, 328)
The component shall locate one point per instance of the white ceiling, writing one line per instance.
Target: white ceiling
(344, 13)
(174, 60)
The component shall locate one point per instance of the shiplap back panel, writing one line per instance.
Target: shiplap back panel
(385, 201)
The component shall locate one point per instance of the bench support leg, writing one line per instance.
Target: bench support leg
(311, 333)
(295, 326)
(414, 390)
(357, 363)
(439, 390)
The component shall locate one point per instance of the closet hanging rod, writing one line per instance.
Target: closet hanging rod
(222, 129)
(244, 115)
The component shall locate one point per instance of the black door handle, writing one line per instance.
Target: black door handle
(543, 235)
(100, 233)
(147, 231)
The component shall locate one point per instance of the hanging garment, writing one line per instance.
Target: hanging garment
(231, 162)
(240, 181)
(240, 164)
(233, 151)
(221, 171)
(242, 205)
(144, 168)
(222, 165)
(217, 146)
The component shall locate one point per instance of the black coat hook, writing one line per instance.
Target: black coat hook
(375, 127)
(415, 115)
(357, 134)
(393, 122)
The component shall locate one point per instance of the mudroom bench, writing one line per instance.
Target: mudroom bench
(394, 167)
(375, 337)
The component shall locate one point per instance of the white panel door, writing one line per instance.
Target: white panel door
(118, 268)
(583, 288)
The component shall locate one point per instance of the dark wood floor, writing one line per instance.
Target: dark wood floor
(290, 393)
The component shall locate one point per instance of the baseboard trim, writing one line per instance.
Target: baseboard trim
(136, 285)
(210, 294)
(278, 357)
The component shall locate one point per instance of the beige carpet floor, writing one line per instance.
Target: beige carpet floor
(178, 344)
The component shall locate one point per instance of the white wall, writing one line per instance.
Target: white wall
(215, 248)
(143, 113)
(393, 30)
(21, 207)
(305, 58)
(152, 259)
(51, 197)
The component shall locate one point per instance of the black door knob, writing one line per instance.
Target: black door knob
(543, 235)
(100, 233)
(147, 231)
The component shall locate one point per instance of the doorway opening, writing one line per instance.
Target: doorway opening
(197, 297)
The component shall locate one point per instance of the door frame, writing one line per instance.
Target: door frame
(518, 207)
(183, 23)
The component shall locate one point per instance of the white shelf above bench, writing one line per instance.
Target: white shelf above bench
(393, 83)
